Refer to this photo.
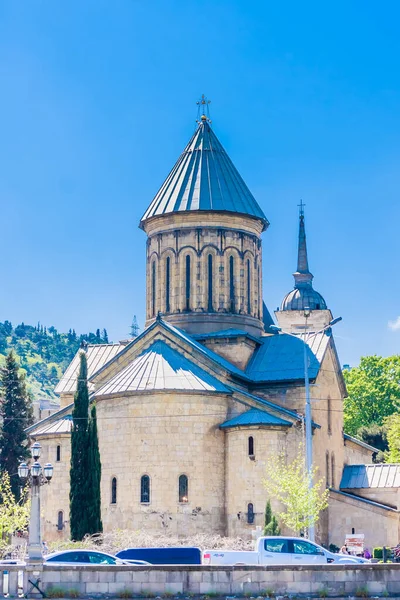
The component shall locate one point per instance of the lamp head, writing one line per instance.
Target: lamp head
(48, 471)
(35, 451)
(36, 469)
(23, 471)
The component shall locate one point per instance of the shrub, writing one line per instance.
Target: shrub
(125, 593)
(73, 593)
(333, 548)
(377, 552)
(323, 592)
(362, 592)
(55, 592)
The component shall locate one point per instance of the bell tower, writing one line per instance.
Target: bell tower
(204, 242)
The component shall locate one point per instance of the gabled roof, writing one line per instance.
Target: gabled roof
(204, 178)
(160, 367)
(254, 416)
(281, 358)
(348, 437)
(97, 356)
(62, 425)
(370, 476)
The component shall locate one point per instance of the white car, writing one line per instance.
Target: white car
(280, 550)
(83, 557)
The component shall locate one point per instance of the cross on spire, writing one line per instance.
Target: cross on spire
(203, 109)
(301, 208)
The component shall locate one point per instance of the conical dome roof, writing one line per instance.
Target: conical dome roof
(204, 178)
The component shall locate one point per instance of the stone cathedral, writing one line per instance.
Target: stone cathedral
(191, 411)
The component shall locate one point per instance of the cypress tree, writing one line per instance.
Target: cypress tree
(79, 456)
(85, 473)
(17, 414)
(94, 476)
(271, 525)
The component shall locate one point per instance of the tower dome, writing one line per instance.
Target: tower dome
(204, 226)
(303, 296)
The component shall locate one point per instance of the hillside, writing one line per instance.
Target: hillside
(44, 353)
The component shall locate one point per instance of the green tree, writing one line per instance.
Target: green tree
(94, 476)
(79, 456)
(289, 484)
(393, 437)
(16, 414)
(373, 392)
(271, 526)
(376, 436)
(85, 473)
(14, 514)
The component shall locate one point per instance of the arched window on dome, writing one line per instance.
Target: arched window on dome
(168, 285)
(187, 280)
(210, 283)
(153, 288)
(114, 490)
(248, 287)
(231, 284)
(145, 489)
(183, 488)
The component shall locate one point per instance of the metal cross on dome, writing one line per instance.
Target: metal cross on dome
(203, 109)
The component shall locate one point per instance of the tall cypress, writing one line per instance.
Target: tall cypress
(79, 456)
(94, 476)
(85, 474)
(17, 414)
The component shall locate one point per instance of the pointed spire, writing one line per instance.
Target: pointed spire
(302, 276)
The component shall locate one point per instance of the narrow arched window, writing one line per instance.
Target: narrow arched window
(327, 468)
(231, 284)
(58, 454)
(60, 520)
(329, 416)
(332, 470)
(187, 286)
(183, 488)
(259, 291)
(248, 287)
(168, 285)
(153, 288)
(145, 489)
(210, 283)
(251, 446)
(250, 513)
(114, 490)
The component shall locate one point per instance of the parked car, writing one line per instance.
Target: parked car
(163, 556)
(87, 557)
(279, 550)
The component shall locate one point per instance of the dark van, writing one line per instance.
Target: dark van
(163, 556)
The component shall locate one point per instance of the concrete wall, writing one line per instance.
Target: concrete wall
(337, 580)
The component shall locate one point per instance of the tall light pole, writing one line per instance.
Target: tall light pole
(307, 415)
(36, 477)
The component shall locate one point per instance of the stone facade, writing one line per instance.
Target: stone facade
(171, 458)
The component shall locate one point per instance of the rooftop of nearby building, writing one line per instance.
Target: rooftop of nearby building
(371, 476)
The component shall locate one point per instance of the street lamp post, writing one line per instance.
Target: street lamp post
(36, 476)
(307, 416)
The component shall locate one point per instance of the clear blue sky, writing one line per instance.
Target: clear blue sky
(98, 99)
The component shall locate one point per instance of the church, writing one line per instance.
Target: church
(191, 411)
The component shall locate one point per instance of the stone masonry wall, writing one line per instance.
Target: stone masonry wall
(334, 580)
(163, 435)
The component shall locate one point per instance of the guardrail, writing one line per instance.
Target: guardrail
(90, 581)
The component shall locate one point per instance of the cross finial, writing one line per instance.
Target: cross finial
(203, 110)
(301, 208)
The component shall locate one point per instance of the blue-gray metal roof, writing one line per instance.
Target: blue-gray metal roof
(160, 367)
(281, 358)
(204, 178)
(370, 476)
(254, 416)
(350, 438)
